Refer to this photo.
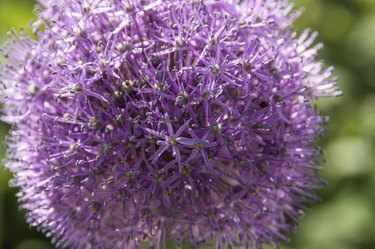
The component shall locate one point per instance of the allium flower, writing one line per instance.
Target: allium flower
(138, 121)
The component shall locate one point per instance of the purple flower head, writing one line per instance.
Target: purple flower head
(139, 121)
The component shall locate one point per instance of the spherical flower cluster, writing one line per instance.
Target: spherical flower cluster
(138, 121)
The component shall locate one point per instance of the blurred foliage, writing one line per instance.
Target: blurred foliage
(345, 219)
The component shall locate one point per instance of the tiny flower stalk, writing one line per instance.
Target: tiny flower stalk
(164, 123)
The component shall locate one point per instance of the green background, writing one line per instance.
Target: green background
(345, 219)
